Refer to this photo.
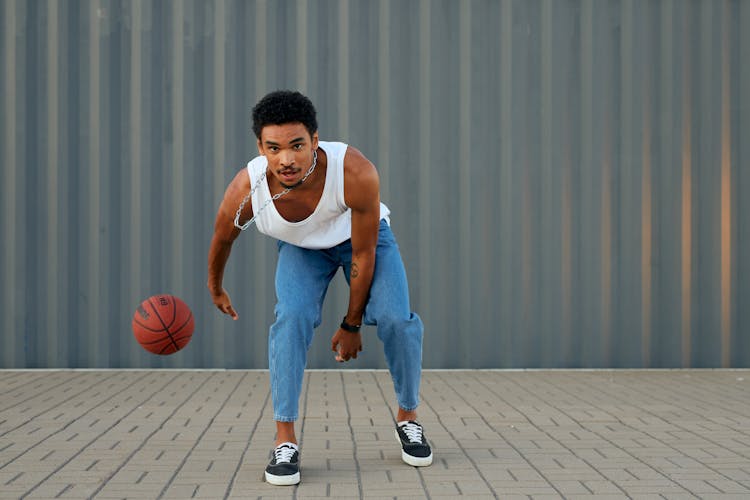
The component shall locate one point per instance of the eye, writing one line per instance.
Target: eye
(273, 149)
(298, 147)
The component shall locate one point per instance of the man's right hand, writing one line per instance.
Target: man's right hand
(224, 303)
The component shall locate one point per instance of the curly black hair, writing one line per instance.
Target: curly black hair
(284, 106)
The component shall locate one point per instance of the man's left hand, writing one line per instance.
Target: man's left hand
(346, 345)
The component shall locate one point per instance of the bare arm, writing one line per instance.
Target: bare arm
(362, 195)
(224, 235)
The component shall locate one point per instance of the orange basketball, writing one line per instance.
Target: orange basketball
(163, 324)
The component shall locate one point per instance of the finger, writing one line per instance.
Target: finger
(334, 345)
(341, 356)
(232, 312)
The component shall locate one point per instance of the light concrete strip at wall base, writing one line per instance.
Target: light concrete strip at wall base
(495, 434)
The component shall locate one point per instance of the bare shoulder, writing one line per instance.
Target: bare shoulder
(359, 172)
(361, 181)
(237, 189)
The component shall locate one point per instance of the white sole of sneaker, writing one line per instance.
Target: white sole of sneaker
(415, 461)
(282, 480)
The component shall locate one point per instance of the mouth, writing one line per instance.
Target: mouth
(288, 176)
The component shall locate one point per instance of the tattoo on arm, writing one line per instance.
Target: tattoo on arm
(355, 270)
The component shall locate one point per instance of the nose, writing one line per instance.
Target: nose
(287, 159)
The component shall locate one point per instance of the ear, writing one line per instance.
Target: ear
(315, 140)
(260, 147)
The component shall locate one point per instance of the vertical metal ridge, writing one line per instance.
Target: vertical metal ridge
(62, 314)
(687, 196)
(566, 253)
(546, 75)
(136, 243)
(52, 222)
(741, 350)
(302, 44)
(549, 343)
(726, 190)
(610, 120)
(89, 343)
(343, 71)
(627, 80)
(384, 98)
(661, 306)
(606, 249)
(527, 323)
(628, 190)
(11, 266)
(646, 218)
(506, 178)
(261, 41)
(606, 253)
(526, 219)
(424, 192)
(528, 319)
(466, 178)
(586, 140)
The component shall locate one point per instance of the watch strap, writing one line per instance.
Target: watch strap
(349, 327)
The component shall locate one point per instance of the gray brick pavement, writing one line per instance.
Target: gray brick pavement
(496, 434)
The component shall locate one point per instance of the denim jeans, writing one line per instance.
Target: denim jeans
(302, 278)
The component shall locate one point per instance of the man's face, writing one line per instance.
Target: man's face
(289, 151)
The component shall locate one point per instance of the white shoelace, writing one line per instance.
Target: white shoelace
(284, 452)
(412, 431)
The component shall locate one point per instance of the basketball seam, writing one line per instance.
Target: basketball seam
(190, 316)
(151, 342)
(165, 348)
(166, 328)
(145, 327)
(174, 312)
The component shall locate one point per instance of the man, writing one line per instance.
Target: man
(321, 201)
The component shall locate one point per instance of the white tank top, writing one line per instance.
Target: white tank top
(330, 223)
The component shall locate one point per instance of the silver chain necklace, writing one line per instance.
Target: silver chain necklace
(270, 200)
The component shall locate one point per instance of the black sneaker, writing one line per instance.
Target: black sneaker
(414, 448)
(283, 470)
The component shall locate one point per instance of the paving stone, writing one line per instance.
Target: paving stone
(600, 496)
(495, 434)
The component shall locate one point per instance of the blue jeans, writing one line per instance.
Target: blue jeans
(302, 278)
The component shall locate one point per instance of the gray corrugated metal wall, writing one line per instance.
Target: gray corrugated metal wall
(566, 177)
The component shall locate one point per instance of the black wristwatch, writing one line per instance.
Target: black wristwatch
(349, 328)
